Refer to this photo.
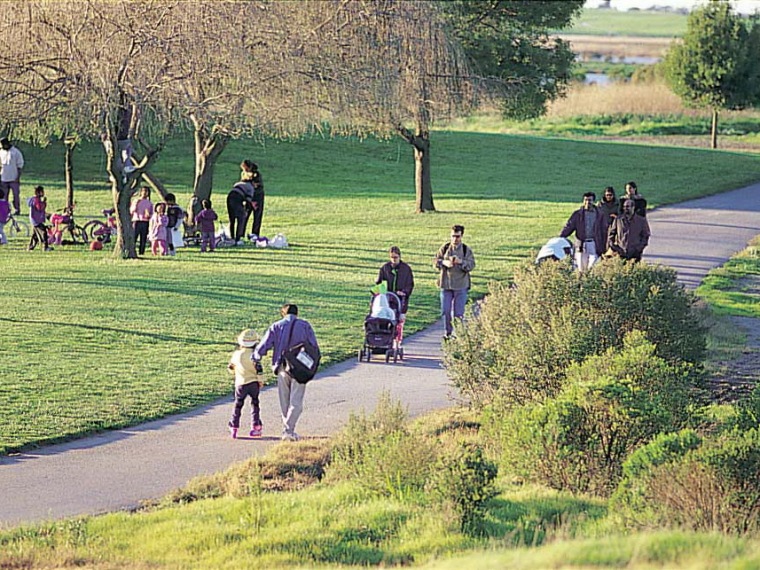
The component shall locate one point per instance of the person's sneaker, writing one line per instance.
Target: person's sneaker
(290, 436)
(233, 431)
(256, 430)
(49, 248)
(240, 242)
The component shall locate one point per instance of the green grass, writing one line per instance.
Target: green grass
(617, 125)
(734, 288)
(93, 343)
(629, 23)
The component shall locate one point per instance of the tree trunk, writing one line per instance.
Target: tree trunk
(422, 185)
(123, 187)
(70, 144)
(208, 147)
(714, 129)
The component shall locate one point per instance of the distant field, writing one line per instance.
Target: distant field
(631, 23)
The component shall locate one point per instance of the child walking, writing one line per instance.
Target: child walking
(38, 217)
(159, 223)
(205, 219)
(246, 383)
(5, 215)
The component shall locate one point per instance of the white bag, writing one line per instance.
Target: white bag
(279, 242)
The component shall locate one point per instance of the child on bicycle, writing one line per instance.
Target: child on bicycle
(247, 383)
(205, 220)
(158, 228)
(38, 217)
(5, 215)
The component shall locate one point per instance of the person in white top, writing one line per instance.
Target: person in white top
(11, 165)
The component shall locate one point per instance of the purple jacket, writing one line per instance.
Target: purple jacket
(277, 337)
(37, 210)
(205, 219)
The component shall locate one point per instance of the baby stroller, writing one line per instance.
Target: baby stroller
(556, 249)
(380, 329)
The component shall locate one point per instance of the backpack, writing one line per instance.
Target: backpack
(447, 245)
(5, 211)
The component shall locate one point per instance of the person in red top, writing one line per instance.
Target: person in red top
(38, 217)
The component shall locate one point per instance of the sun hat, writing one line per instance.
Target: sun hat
(248, 338)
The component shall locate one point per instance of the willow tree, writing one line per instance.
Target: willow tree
(93, 59)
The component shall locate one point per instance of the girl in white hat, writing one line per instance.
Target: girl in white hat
(247, 383)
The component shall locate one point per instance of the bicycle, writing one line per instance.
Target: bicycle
(65, 223)
(102, 231)
(16, 228)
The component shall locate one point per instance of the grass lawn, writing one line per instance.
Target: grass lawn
(94, 343)
(629, 23)
(734, 288)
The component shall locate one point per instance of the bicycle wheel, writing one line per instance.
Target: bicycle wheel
(18, 228)
(77, 234)
(95, 229)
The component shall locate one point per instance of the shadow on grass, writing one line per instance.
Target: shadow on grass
(530, 521)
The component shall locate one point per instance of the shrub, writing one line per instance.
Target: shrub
(378, 453)
(683, 481)
(464, 479)
(525, 336)
(611, 405)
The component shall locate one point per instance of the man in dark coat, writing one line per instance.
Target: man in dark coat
(587, 224)
(629, 233)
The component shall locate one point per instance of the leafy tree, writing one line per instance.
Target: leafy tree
(717, 64)
(508, 42)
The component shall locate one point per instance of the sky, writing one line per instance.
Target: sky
(742, 6)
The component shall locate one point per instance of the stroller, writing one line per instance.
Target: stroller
(380, 329)
(556, 249)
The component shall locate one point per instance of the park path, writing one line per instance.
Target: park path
(118, 469)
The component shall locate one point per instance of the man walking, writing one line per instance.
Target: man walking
(587, 223)
(454, 262)
(282, 335)
(399, 279)
(11, 165)
(629, 233)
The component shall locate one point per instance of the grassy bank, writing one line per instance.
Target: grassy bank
(98, 344)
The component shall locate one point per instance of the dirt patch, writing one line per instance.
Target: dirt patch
(735, 379)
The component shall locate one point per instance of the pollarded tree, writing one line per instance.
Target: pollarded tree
(716, 65)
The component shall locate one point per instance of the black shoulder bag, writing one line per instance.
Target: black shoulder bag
(301, 360)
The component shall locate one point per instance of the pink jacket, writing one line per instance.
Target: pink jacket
(141, 210)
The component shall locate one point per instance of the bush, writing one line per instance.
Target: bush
(464, 479)
(683, 481)
(611, 405)
(378, 453)
(525, 336)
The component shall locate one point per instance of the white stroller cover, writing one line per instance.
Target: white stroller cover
(381, 309)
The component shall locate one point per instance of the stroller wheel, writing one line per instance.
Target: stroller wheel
(388, 354)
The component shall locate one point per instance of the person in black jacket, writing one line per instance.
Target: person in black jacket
(240, 202)
(399, 278)
(639, 203)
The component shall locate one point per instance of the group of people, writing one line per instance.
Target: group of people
(454, 262)
(158, 225)
(610, 227)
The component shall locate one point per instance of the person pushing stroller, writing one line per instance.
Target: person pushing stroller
(399, 279)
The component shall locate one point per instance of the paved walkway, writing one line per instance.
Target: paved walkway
(118, 469)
